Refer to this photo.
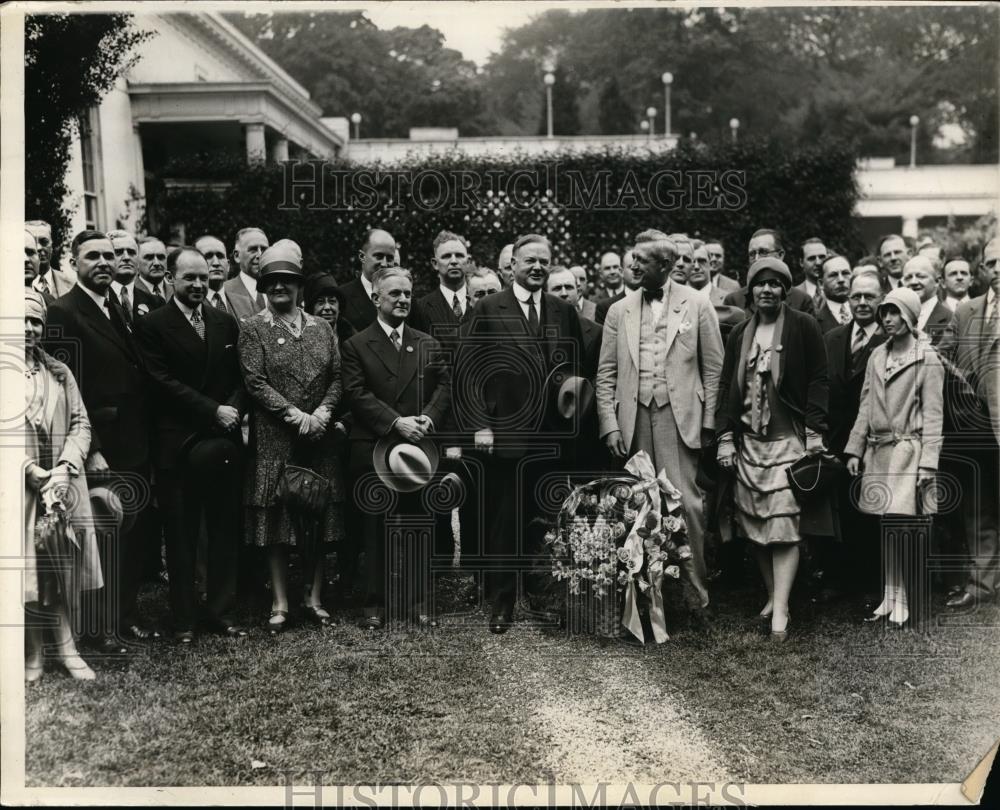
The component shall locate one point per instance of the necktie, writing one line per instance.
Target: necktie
(106, 308)
(43, 285)
(217, 302)
(653, 295)
(818, 299)
(845, 314)
(158, 295)
(456, 307)
(532, 316)
(198, 323)
(127, 304)
(396, 340)
(859, 341)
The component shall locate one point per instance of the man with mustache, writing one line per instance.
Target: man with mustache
(510, 347)
(153, 269)
(834, 309)
(657, 381)
(241, 292)
(135, 301)
(111, 373)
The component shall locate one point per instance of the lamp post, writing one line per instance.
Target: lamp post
(550, 79)
(651, 116)
(914, 120)
(644, 126)
(356, 120)
(668, 79)
(734, 125)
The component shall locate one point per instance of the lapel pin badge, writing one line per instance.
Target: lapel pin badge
(409, 348)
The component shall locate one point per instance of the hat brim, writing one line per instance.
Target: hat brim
(398, 481)
(571, 395)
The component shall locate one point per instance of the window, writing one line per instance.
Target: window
(90, 151)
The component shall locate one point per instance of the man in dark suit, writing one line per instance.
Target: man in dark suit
(153, 268)
(191, 356)
(835, 278)
(31, 264)
(52, 281)
(848, 347)
(972, 346)
(721, 278)
(214, 251)
(921, 277)
(242, 296)
(377, 252)
(511, 346)
(631, 282)
(563, 285)
(396, 383)
(766, 242)
(111, 373)
(135, 301)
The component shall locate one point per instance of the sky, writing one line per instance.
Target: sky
(473, 28)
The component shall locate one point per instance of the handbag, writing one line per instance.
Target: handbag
(304, 492)
(814, 474)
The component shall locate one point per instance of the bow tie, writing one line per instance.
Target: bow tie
(653, 295)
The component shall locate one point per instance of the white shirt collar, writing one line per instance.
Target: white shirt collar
(250, 283)
(184, 308)
(925, 311)
(990, 298)
(130, 287)
(809, 288)
(523, 295)
(835, 307)
(97, 299)
(449, 295)
(952, 303)
(389, 329)
(869, 330)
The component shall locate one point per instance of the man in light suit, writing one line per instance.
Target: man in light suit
(153, 269)
(396, 383)
(971, 345)
(242, 296)
(378, 252)
(50, 280)
(658, 378)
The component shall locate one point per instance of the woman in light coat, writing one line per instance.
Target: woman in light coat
(894, 446)
(56, 502)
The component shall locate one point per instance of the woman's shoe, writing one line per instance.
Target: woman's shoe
(33, 671)
(78, 669)
(779, 636)
(277, 621)
(318, 615)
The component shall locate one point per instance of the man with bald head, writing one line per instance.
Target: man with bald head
(919, 275)
(957, 276)
(377, 252)
(241, 292)
(657, 380)
(503, 265)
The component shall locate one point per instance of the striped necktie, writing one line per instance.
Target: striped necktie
(198, 323)
(126, 305)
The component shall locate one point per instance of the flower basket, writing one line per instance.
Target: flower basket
(615, 540)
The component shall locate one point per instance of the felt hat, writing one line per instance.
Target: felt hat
(405, 466)
(107, 510)
(34, 305)
(572, 395)
(775, 265)
(319, 285)
(210, 458)
(283, 258)
(906, 301)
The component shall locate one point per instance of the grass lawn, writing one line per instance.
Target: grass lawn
(837, 703)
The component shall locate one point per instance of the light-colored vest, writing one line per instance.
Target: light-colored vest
(653, 358)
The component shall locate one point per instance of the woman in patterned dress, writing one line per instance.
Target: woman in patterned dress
(772, 409)
(291, 368)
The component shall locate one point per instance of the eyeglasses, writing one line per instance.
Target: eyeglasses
(760, 253)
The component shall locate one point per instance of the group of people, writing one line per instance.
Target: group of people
(260, 408)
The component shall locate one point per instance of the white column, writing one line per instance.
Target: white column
(256, 145)
(911, 225)
(279, 151)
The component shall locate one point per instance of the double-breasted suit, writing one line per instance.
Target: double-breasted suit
(501, 373)
(656, 383)
(192, 378)
(381, 385)
(108, 366)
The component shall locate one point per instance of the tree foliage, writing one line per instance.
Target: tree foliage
(70, 62)
(852, 72)
(776, 181)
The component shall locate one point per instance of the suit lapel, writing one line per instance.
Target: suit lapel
(677, 303)
(407, 359)
(381, 347)
(102, 324)
(633, 325)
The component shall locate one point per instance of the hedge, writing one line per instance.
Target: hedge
(586, 203)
